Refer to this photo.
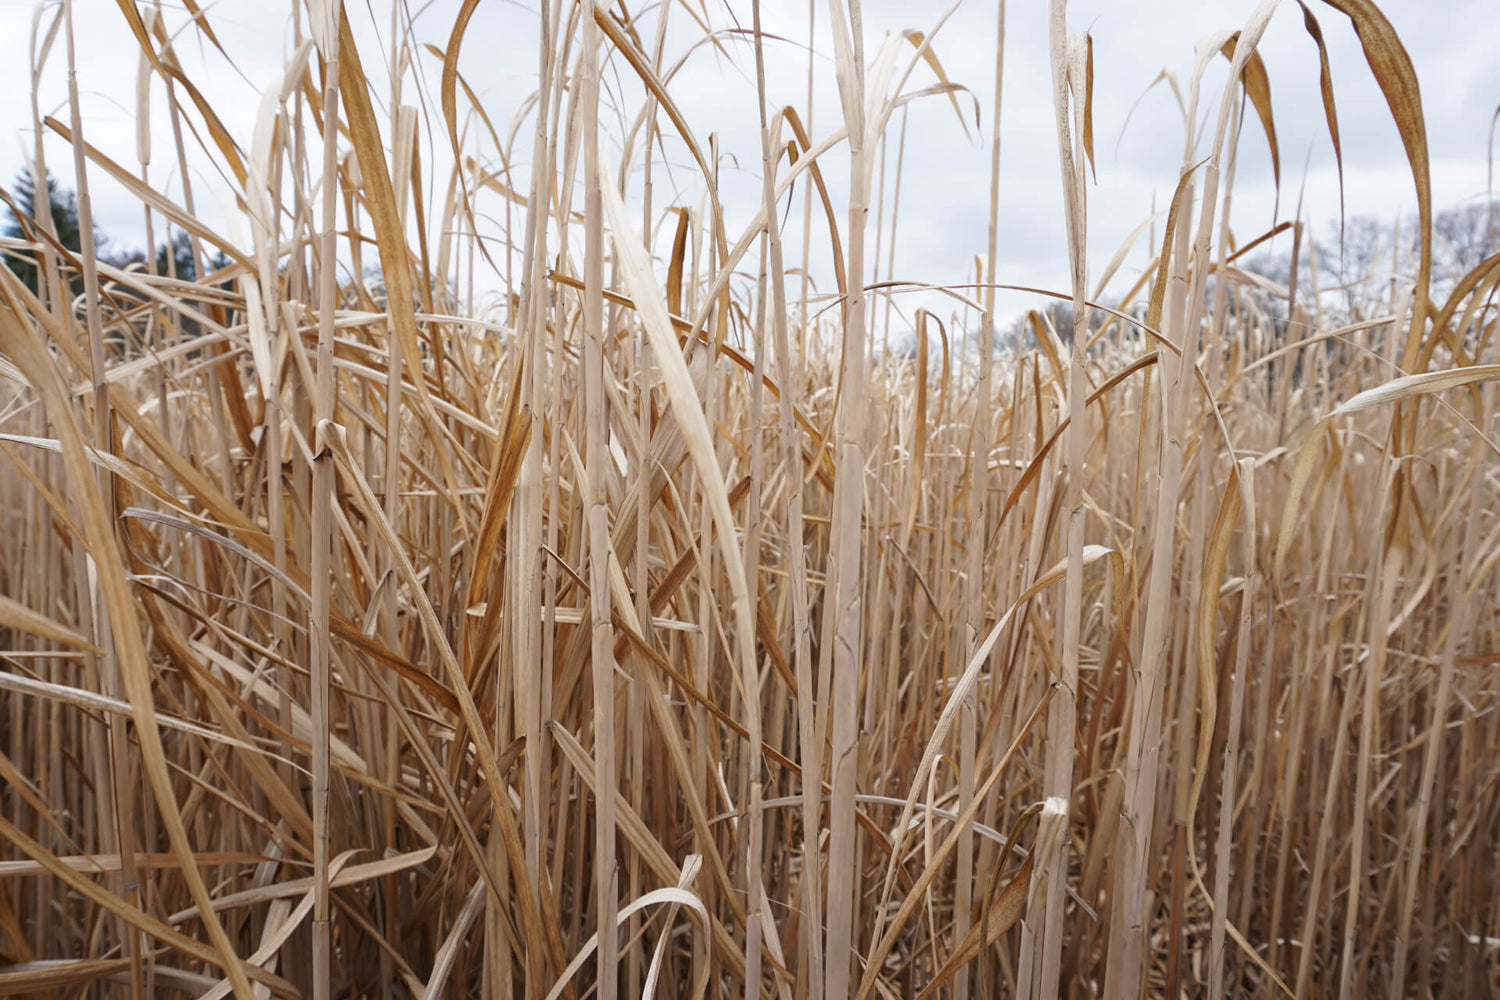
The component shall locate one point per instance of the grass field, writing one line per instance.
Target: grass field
(391, 606)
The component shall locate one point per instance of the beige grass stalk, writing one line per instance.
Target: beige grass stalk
(157, 322)
(1230, 766)
(976, 516)
(1209, 701)
(992, 246)
(1382, 587)
(890, 244)
(807, 193)
(116, 796)
(1071, 76)
(524, 562)
(403, 141)
(641, 469)
(324, 404)
(606, 876)
(50, 289)
(843, 613)
(776, 321)
(810, 745)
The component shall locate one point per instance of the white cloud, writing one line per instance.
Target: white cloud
(945, 182)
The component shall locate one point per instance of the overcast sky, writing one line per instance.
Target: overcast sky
(944, 194)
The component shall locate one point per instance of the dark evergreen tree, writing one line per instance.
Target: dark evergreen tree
(64, 210)
(182, 258)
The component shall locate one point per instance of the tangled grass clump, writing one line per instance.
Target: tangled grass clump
(357, 639)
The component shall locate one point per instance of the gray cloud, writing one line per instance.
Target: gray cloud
(945, 181)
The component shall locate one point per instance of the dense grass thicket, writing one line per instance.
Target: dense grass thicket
(387, 605)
